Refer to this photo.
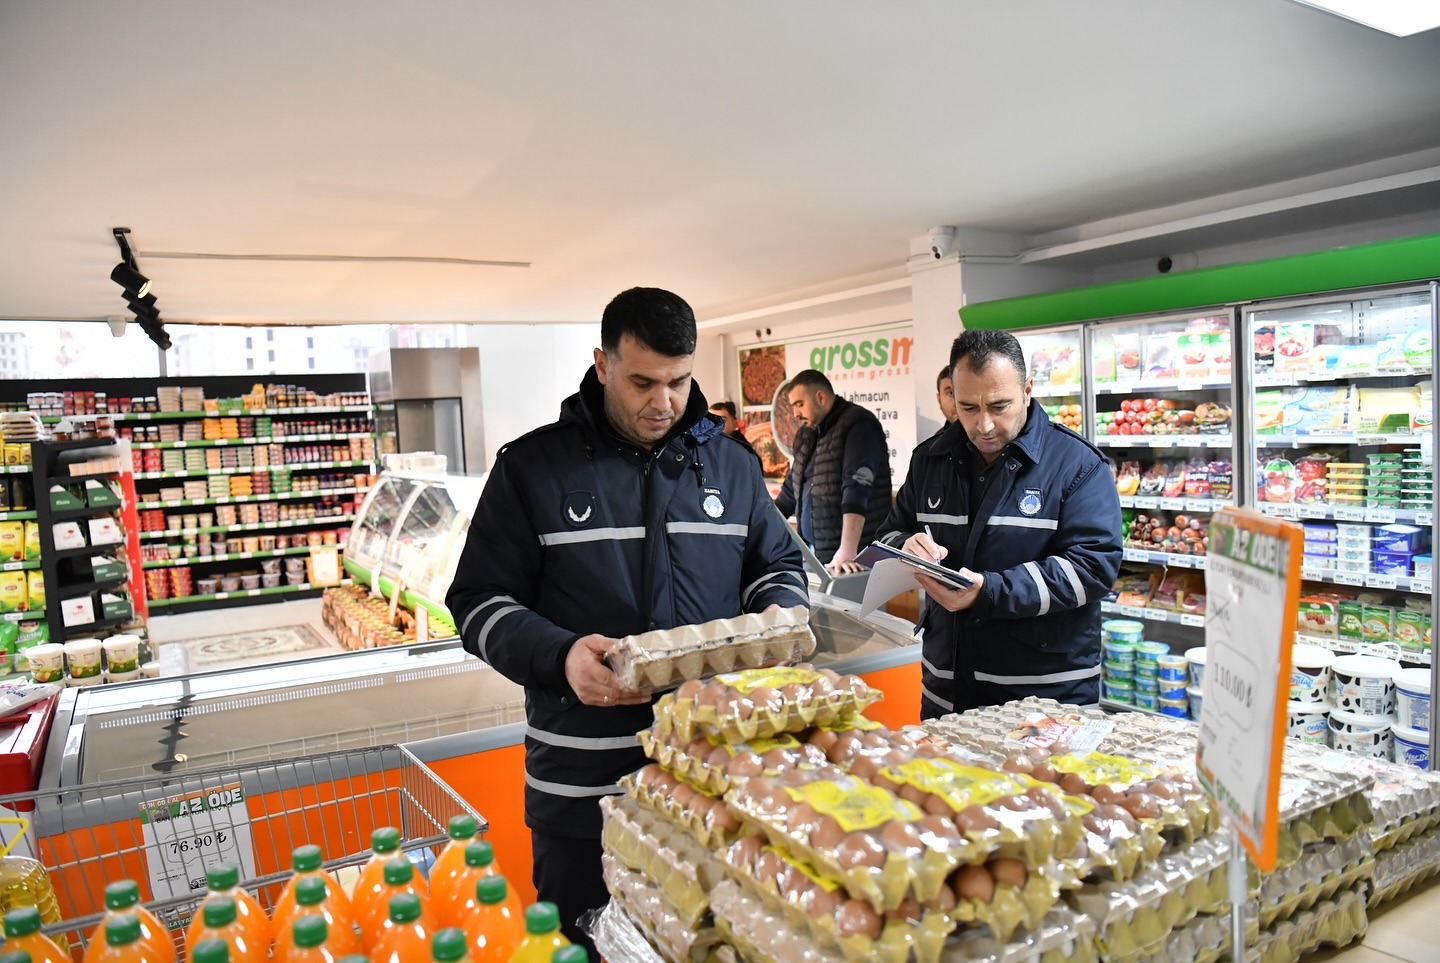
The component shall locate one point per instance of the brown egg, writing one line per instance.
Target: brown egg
(901, 837)
(1010, 871)
(1018, 803)
(682, 797)
(1106, 795)
(744, 765)
(1044, 773)
(944, 900)
(827, 834)
(830, 675)
(896, 757)
(718, 758)
(1142, 806)
(796, 777)
(699, 747)
(860, 849)
(857, 918)
(778, 759)
(762, 697)
(746, 850)
(689, 690)
(721, 819)
(795, 694)
(821, 690)
(768, 866)
(865, 767)
(937, 806)
(712, 695)
(909, 909)
(1018, 764)
(664, 783)
(736, 705)
(887, 784)
(823, 739)
(802, 820)
(1038, 753)
(821, 902)
(874, 740)
(1118, 814)
(856, 686)
(646, 776)
(1074, 782)
(845, 748)
(912, 793)
(812, 756)
(974, 883)
(1165, 790)
(942, 828)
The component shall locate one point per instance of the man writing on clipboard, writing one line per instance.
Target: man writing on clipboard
(1027, 511)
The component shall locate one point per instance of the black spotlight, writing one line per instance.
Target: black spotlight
(130, 279)
(147, 303)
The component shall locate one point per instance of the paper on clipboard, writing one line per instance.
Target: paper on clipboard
(892, 571)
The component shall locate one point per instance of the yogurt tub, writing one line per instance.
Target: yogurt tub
(1119, 651)
(1196, 698)
(82, 683)
(150, 670)
(1150, 673)
(1310, 672)
(1309, 722)
(1363, 735)
(1172, 690)
(1196, 658)
(1412, 747)
(1363, 684)
(82, 659)
(1173, 668)
(1123, 692)
(47, 662)
(1122, 630)
(1179, 708)
(1146, 700)
(122, 653)
(1412, 698)
(1148, 653)
(130, 676)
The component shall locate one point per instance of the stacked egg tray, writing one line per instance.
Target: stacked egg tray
(1401, 868)
(1333, 922)
(665, 658)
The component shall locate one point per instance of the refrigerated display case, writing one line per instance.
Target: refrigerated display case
(1056, 367)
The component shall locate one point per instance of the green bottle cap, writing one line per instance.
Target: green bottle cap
(404, 908)
(122, 895)
(122, 929)
(462, 826)
(386, 839)
(218, 911)
(223, 876)
(212, 949)
(15, 956)
(310, 890)
(22, 921)
(449, 945)
(491, 889)
(541, 918)
(479, 853)
(311, 931)
(354, 958)
(306, 859)
(398, 871)
(570, 954)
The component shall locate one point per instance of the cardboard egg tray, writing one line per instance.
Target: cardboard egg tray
(1402, 867)
(732, 762)
(647, 907)
(763, 703)
(1405, 801)
(1063, 936)
(618, 936)
(1336, 922)
(1204, 939)
(707, 818)
(750, 926)
(681, 869)
(667, 657)
(1321, 872)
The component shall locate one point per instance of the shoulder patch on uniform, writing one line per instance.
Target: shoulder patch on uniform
(579, 509)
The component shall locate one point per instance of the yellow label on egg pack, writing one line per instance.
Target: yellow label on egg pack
(1074, 805)
(1096, 768)
(758, 746)
(752, 679)
(853, 804)
(960, 786)
(810, 872)
(855, 723)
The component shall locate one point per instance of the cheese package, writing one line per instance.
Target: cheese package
(105, 531)
(66, 535)
(12, 541)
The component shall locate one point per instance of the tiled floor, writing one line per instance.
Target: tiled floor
(1407, 930)
(249, 621)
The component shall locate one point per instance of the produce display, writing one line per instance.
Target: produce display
(667, 657)
(1163, 416)
(363, 621)
(1178, 534)
(1178, 478)
(1069, 415)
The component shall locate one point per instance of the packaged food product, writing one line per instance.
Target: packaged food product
(1319, 873)
(762, 703)
(1278, 480)
(705, 817)
(32, 540)
(639, 921)
(1127, 479)
(1197, 479)
(1222, 480)
(752, 926)
(684, 871)
(1153, 482)
(35, 590)
(714, 765)
(13, 595)
(667, 657)
(12, 541)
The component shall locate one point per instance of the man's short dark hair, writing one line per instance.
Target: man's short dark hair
(947, 373)
(978, 345)
(659, 320)
(810, 378)
(726, 406)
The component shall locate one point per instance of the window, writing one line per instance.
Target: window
(269, 334)
(204, 350)
(271, 353)
(312, 364)
(310, 345)
(249, 364)
(249, 343)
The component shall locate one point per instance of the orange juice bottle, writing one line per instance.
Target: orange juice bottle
(458, 904)
(124, 942)
(495, 925)
(219, 918)
(542, 934)
(368, 899)
(446, 885)
(312, 898)
(449, 946)
(210, 950)
(399, 878)
(124, 897)
(224, 880)
(406, 936)
(306, 861)
(22, 932)
(307, 942)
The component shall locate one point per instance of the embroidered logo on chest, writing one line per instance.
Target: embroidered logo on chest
(579, 509)
(713, 504)
(1031, 501)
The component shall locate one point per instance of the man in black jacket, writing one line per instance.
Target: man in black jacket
(630, 513)
(839, 481)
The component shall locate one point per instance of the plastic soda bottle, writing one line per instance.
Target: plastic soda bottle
(368, 899)
(458, 903)
(22, 932)
(570, 954)
(542, 934)
(446, 885)
(124, 897)
(306, 942)
(494, 925)
(210, 950)
(306, 861)
(220, 918)
(406, 936)
(312, 898)
(449, 946)
(399, 878)
(124, 942)
(224, 880)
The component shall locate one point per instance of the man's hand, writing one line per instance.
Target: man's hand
(951, 599)
(843, 562)
(591, 679)
(926, 547)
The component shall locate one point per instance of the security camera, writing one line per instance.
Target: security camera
(942, 240)
(1164, 264)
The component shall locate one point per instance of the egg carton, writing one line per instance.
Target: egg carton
(705, 817)
(715, 766)
(751, 927)
(1322, 871)
(1063, 936)
(681, 869)
(763, 703)
(617, 935)
(1400, 868)
(677, 940)
(667, 657)
(1335, 922)
(1405, 800)
(1205, 939)
(1135, 917)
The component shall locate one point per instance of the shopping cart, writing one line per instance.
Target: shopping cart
(163, 831)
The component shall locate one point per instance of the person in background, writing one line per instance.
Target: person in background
(1025, 508)
(725, 411)
(630, 513)
(945, 397)
(838, 485)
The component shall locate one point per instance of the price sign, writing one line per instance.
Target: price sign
(188, 832)
(1132, 611)
(1380, 581)
(1350, 514)
(1197, 621)
(1173, 504)
(1311, 511)
(1383, 515)
(1146, 502)
(1157, 615)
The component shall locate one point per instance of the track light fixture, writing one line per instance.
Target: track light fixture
(130, 279)
(137, 292)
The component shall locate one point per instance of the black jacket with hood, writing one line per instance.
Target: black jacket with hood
(579, 531)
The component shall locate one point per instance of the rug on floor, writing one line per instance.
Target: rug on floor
(256, 645)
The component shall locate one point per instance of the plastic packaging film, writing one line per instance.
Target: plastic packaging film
(667, 657)
(1402, 867)
(683, 871)
(678, 940)
(705, 817)
(1320, 873)
(1336, 922)
(762, 703)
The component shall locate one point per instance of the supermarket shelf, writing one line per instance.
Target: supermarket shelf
(23, 616)
(222, 413)
(1153, 615)
(241, 442)
(251, 526)
(20, 565)
(239, 499)
(1162, 441)
(1384, 516)
(240, 594)
(89, 511)
(247, 469)
(19, 515)
(85, 551)
(94, 627)
(1164, 558)
(228, 556)
(93, 476)
(1056, 391)
(1400, 582)
(1149, 387)
(1328, 377)
(1345, 647)
(1123, 707)
(85, 588)
(1293, 440)
(15, 469)
(1206, 505)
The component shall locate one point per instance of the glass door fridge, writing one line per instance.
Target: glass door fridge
(1056, 363)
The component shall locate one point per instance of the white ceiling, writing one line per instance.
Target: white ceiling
(733, 151)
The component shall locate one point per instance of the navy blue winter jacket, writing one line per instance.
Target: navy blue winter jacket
(578, 532)
(1047, 540)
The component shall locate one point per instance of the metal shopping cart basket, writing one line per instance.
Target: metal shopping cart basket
(163, 831)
